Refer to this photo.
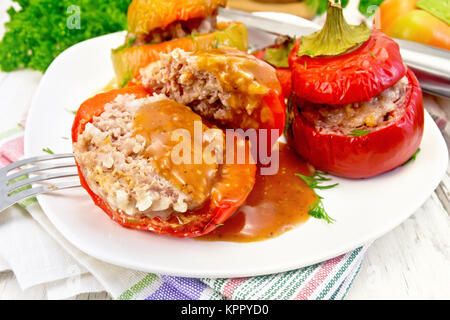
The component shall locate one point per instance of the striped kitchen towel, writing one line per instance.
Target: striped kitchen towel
(327, 280)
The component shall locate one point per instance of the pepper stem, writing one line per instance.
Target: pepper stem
(336, 37)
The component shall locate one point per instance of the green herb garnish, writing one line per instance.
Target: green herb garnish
(315, 180)
(317, 209)
(42, 29)
(48, 150)
(373, 54)
(193, 36)
(413, 157)
(128, 44)
(309, 53)
(132, 221)
(358, 133)
(74, 112)
(336, 37)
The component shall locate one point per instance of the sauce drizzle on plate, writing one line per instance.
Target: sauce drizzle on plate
(276, 204)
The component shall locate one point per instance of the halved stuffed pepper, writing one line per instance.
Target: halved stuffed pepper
(229, 87)
(130, 151)
(156, 26)
(355, 111)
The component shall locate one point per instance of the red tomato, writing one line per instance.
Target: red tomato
(229, 192)
(353, 77)
(364, 156)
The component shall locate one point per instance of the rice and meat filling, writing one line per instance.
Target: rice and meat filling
(125, 156)
(176, 30)
(222, 85)
(369, 115)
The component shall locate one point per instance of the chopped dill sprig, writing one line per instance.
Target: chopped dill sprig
(48, 150)
(74, 112)
(314, 180)
(132, 221)
(413, 157)
(358, 133)
(317, 209)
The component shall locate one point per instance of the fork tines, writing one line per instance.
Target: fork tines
(15, 180)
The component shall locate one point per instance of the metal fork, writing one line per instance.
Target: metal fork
(15, 185)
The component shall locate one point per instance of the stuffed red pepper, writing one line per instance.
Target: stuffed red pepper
(128, 161)
(226, 86)
(355, 111)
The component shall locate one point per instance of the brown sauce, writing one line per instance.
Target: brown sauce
(156, 122)
(246, 78)
(276, 204)
(235, 62)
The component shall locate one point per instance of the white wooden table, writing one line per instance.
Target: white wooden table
(410, 262)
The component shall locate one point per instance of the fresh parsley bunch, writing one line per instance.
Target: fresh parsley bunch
(40, 30)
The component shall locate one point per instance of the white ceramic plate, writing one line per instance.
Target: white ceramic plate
(363, 209)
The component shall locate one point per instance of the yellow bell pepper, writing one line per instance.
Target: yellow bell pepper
(403, 19)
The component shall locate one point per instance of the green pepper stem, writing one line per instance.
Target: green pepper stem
(336, 37)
